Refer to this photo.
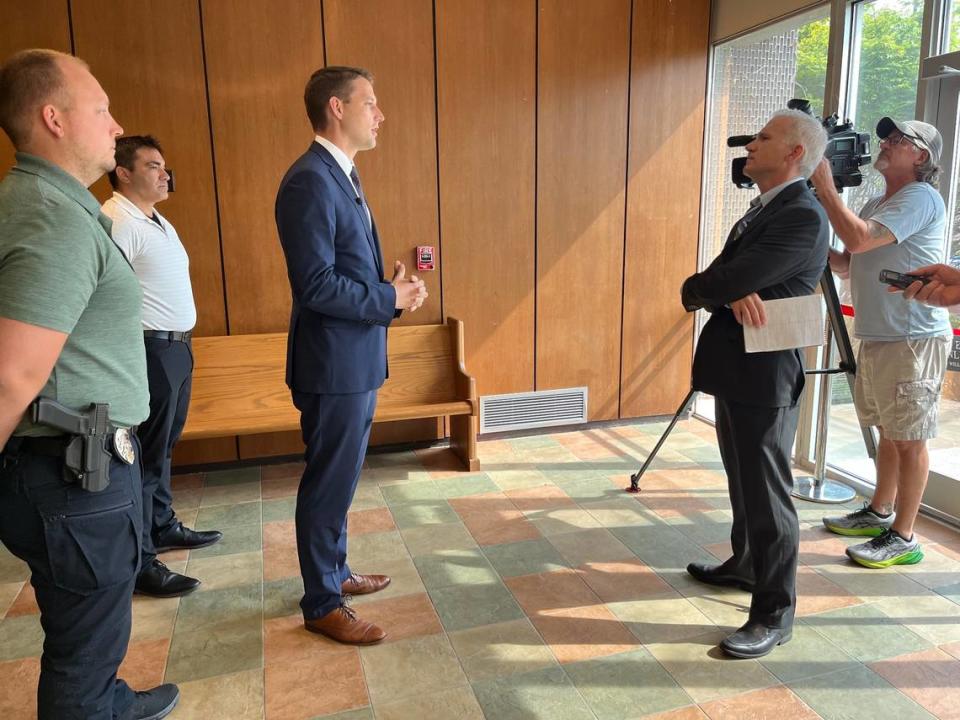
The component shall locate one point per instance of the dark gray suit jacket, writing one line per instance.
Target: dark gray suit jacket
(781, 254)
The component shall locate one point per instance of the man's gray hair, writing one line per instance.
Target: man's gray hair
(928, 171)
(808, 132)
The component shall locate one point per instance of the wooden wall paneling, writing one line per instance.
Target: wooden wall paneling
(584, 64)
(148, 56)
(34, 24)
(394, 40)
(259, 56)
(668, 88)
(486, 86)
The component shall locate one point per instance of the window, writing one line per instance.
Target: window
(754, 76)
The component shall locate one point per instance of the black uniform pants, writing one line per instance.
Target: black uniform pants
(755, 444)
(83, 550)
(169, 371)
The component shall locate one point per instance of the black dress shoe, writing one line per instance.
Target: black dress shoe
(157, 580)
(183, 538)
(153, 704)
(719, 575)
(755, 640)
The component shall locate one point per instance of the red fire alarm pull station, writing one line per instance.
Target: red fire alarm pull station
(424, 257)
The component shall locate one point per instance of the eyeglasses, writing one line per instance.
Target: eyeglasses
(899, 138)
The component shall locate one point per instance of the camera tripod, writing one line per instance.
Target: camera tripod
(816, 487)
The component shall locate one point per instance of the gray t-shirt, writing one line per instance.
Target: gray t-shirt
(915, 216)
(60, 270)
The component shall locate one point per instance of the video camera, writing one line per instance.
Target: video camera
(846, 149)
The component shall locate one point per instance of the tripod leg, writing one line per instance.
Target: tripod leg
(635, 478)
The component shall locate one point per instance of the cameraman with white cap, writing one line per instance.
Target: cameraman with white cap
(904, 345)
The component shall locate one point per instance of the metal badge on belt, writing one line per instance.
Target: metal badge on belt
(123, 446)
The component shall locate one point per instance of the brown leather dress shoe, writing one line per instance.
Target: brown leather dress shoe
(364, 584)
(343, 625)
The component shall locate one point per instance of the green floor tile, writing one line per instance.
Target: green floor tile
(232, 476)
(279, 509)
(856, 693)
(282, 597)
(414, 492)
(444, 568)
(540, 694)
(865, 633)
(422, 513)
(367, 497)
(580, 489)
(230, 493)
(242, 603)
(706, 528)
(219, 648)
(460, 608)
(807, 655)
(221, 516)
(236, 539)
(366, 550)
(463, 486)
(596, 545)
(426, 539)
(532, 442)
(528, 557)
(627, 685)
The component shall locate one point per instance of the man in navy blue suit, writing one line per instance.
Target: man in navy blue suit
(336, 348)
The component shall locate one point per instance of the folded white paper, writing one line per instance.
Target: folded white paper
(791, 323)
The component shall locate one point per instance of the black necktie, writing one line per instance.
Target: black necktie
(755, 207)
(355, 179)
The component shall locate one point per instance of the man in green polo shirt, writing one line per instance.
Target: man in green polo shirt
(69, 331)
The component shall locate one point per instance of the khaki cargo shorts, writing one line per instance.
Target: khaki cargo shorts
(898, 386)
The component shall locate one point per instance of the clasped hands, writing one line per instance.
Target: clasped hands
(411, 292)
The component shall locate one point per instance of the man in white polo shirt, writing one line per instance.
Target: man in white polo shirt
(158, 258)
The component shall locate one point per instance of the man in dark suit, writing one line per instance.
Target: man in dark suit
(336, 349)
(778, 250)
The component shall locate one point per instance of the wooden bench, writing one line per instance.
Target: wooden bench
(239, 387)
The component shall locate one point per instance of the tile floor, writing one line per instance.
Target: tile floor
(533, 589)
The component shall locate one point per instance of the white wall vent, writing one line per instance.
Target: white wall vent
(544, 408)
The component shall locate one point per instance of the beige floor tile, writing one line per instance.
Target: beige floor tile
(930, 616)
(238, 696)
(431, 538)
(662, 619)
(410, 668)
(226, 570)
(8, 593)
(501, 649)
(701, 668)
(459, 703)
(153, 618)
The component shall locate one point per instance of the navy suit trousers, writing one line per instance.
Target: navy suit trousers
(169, 372)
(335, 430)
(83, 550)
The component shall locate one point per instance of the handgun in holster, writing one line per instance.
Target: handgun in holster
(86, 460)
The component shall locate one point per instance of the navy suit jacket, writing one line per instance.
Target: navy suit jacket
(782, 253)
(342, 304)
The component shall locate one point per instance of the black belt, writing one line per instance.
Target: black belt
(48, 446)
(174, 335)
